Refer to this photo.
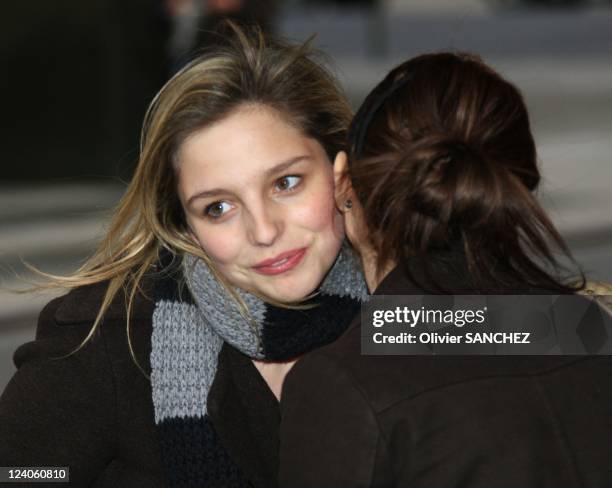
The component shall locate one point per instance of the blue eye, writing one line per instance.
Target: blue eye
(287, 183)
(217, 210)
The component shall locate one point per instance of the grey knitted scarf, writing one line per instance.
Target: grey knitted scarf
(190, 326)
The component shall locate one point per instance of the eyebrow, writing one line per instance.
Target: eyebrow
(269, 172)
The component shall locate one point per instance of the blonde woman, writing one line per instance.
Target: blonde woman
(223, 263)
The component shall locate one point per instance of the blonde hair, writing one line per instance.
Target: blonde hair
(248, 69)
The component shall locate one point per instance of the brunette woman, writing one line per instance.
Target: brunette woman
(163, 365)
(438, 197)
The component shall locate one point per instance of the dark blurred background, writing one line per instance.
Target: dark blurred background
(77, 78)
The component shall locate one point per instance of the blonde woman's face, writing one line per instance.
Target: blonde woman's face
(259, 199)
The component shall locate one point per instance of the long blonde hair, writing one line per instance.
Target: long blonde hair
(247, 69)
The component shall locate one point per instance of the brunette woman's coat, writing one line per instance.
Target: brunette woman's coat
(93, 411)
(349, 420)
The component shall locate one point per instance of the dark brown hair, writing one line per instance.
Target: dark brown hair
(441, 152)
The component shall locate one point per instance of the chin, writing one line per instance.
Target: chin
(292, 290)
(290, 295)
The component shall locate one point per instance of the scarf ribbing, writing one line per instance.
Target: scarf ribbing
(190, 325)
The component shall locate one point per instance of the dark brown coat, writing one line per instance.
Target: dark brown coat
(93, 411)
(432, 421)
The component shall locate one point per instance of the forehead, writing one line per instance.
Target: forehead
(240, 148)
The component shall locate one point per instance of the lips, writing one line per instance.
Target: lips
(281, 263)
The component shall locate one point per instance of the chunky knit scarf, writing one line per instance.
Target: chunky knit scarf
(191, 324)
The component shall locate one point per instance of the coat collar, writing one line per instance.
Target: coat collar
(415, 276)
(246, 416)
(82, 304)
(449, 269)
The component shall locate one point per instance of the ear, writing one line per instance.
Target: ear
(342, 181)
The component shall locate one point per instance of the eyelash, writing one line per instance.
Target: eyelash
(208, 208)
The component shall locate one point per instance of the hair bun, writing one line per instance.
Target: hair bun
(459, 151)
(451, 181)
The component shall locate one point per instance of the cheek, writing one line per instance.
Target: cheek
(222, 245)
(318, 213)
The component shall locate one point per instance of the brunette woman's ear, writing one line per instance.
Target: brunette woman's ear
(343, 190)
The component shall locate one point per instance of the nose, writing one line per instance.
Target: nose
(264, 225)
